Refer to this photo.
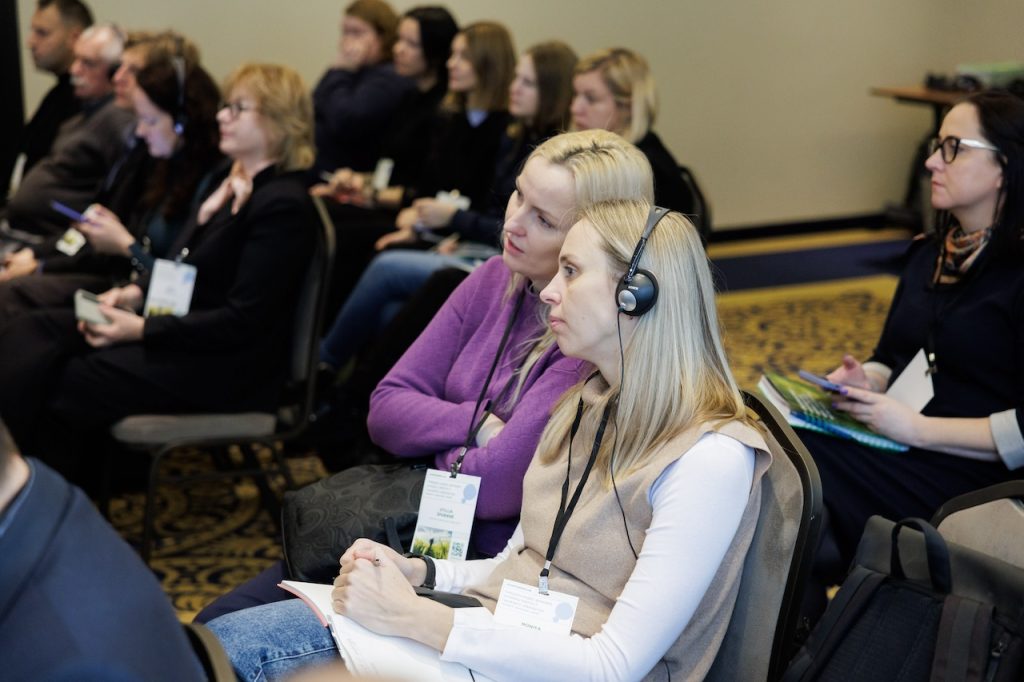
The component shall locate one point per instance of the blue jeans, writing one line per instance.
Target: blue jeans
(387, 283)
(273, 641)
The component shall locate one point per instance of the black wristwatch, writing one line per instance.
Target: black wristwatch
(431, 575)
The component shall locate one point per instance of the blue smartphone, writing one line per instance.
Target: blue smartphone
(68, 211)
(820, 381)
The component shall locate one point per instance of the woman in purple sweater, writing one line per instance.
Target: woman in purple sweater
(425, 404)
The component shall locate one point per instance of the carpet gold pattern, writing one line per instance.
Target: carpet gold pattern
(215, 535)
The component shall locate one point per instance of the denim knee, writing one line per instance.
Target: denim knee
(273, 641)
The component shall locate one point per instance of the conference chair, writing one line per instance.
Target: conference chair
(761, 637)
(161, 435)
(210, 653)
(990, 520)
(701, 208)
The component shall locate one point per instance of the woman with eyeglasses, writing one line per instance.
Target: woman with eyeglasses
(245, 249)
(956, 329)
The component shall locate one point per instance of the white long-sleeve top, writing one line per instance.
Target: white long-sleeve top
(697, 504)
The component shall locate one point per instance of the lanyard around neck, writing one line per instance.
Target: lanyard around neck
(474, 425)
(565, 512)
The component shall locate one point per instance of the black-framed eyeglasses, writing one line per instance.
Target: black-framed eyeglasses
(235, 108)
(950, 146)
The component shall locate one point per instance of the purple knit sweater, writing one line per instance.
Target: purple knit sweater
(425, 403)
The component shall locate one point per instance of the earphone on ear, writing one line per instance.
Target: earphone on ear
(637, 291)
(178, 62)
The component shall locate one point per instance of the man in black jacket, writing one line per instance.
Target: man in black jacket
(56, 25)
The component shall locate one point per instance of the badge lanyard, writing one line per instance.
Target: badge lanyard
(474, 425)
(564, 512)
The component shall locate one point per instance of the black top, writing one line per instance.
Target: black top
(978, 327)
(669, 189)
(484, 224)
(407, 141)
(352, 111)
(462, 157)
(57, 106)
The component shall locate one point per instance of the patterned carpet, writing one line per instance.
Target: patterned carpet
(216, 535)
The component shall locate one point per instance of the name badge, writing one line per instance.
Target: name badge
(453, 198)
(913, 386)
(524, 606)
(382, 174)
(170, 288)
(447, 507)
(71, 242)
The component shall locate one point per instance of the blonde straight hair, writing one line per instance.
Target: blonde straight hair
(604, 167)
(631, 83)
(676, 374)
(285, 109)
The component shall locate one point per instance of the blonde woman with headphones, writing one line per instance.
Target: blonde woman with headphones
(638, 507)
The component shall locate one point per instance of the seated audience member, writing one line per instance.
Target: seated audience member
(957, 310)
(73, 595)
(662, 514)
(356, 100)
(175, 102)
(86, 148)
(615, 91)
(539, 103)
(464, 141)
(424, 404)
(421, 53)
(245, 251)
(56, 25)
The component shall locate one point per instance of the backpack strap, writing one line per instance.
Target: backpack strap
(842, 612)
(963, 642)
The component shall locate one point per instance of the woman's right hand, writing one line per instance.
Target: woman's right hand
(128, 297)
(105, 232)
(851, 373)
(413, 570)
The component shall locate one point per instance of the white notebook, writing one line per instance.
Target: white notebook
(367, 653)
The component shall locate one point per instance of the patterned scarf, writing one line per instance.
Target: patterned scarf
(960, 251)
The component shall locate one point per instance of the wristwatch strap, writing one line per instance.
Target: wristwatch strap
(431, 575)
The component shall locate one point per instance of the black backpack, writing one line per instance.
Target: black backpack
(916, 608)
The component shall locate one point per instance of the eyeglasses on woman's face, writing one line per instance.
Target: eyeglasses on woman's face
(950, 146)
(236, 107)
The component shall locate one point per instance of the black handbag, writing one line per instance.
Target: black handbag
(916, 608)
(320, 521)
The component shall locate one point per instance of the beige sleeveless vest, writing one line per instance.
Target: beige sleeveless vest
(593, 560)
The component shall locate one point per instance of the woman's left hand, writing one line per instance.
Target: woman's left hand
(372, 591)
(124, 326)
(18, 264)
(884, 414)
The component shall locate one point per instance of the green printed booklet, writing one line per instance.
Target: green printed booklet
(808, 407)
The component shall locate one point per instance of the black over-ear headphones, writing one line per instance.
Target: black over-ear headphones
(178, 61)
(637, 291)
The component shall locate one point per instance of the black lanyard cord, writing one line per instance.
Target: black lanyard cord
(474, 425)
(565, 512)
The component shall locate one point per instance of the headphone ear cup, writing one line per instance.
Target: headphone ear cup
(638, 295)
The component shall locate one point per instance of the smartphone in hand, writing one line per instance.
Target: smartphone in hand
(68, 211)
(87, 308)
(820, 381)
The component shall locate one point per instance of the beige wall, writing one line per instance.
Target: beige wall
(767, 101)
